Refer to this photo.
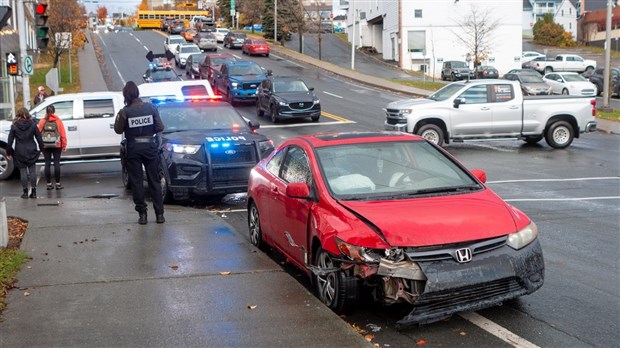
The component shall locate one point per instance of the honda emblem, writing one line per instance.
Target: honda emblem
(463, 255)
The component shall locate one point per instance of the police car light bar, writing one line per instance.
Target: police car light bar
(191, 98)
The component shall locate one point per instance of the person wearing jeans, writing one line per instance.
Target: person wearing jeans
(53, 145)
(28, 142)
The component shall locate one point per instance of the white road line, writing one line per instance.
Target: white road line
(547, 180)
(333, 95)
(306, 124)
(560, 199)
(497, 331)
(113, 63)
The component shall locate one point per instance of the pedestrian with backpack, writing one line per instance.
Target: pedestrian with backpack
(28, 145)
(54, 142)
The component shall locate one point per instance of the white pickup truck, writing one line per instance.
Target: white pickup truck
(89, 124)
(491, 110)
(564, 62)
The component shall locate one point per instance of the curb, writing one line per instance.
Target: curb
(608, 126)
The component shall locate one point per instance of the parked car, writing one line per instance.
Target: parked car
(377, 213)
(523, 71)
(188, 34)
(486, 72)
(256, 27)
(253, 46)
(528, 56)
(530, 84)
(597, 77)
(234, 39)
(570, 83)
(220, 33)
(182, 52)
(492, 109)
(565, 62)
(172, 41)
(238, 80)
(176, 27)
(456, 70)
(532, 64)
(212, 64)
(287, 98)
(192, 65)
(206, 41)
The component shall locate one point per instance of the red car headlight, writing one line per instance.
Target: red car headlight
(524, 237)
(356, 253)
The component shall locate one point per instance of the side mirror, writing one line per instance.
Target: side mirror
(480, 175)
(559, 80)
(269, 72)
(458, 101)
(298, 190)
(311, 88)
(253, 125)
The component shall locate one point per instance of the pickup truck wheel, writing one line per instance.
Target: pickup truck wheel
(559, 135)
(125, 177)
(6, 165)
(432, 133)
(229, 98)
(334, 288)
(548, 69)
(565, 91)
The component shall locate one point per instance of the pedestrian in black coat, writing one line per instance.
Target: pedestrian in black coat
(28, 145)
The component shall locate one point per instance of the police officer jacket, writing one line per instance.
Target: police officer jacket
(138, 120)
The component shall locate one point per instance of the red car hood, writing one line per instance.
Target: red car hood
(438, 220)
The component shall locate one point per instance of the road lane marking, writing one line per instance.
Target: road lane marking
(554, 180)
(560, 199)
(333, 95)
(113, 63)
(497, 331)
(335, 117)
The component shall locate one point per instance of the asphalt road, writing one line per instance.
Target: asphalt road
(572, 195)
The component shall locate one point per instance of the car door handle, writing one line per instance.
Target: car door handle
(484, 108)
(72, 128)
(111, 125)
(513, 107)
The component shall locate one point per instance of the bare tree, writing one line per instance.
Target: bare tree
(475, 33)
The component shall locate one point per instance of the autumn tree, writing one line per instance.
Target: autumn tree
(252, 11)
(224, 9)
(547, 32)
(475, 32)
(289, 14)
(102, 13)
(65, 16)
(143, 6)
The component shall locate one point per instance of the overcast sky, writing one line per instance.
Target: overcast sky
(127, 6)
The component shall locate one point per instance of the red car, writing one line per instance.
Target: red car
(253, 46)
(395, 213)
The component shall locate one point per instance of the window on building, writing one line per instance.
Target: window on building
(417, 13)
(416, 41)
(562, 12)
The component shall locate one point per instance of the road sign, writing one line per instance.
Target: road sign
(27, 65)
(11, 64)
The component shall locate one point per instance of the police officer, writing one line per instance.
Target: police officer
(142, 126)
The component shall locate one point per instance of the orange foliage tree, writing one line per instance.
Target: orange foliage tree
(102, 13)
(65, 16)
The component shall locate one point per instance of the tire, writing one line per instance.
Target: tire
(256, 233)
(125, 177)
(565, 92)
(6, 165)
(452, 77)
(274, 115)
(533, 139)
(315, 118)
(267, 55)
(336, 290)
(432, 133)
(229, 98)
(443, 77)
(590, 68)
(259, 111)
(548, 69)
(165, 191)
(559, 135)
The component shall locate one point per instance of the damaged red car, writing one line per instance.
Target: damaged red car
(395, 214)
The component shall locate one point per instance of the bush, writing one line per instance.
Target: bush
(547, 32)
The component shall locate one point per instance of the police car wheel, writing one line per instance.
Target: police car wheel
(165, 192)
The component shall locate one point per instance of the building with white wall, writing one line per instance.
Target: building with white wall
(421, 34)
(566, 16)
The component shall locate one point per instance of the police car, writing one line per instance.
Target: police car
(208, 149)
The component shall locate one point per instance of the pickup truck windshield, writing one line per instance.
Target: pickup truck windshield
(446, 92)
(243, 70)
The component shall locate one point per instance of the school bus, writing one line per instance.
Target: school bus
(151, 19)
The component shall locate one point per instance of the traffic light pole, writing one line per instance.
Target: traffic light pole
(21, 27)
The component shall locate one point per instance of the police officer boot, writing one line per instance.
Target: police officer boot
(160, 218)
(142, 218)
(25, 194)
(33, 193)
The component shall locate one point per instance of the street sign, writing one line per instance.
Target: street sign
(63, 40)
(27, 65)
(11, 64)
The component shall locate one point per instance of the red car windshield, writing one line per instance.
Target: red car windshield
(389, 170)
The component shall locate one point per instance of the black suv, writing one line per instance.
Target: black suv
(598, 78)
(286, 98)
(208, 150)
(234, 39)
(456, 70)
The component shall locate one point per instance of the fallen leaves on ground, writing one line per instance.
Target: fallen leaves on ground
(17, 229)
(174, 267)
(421, 342)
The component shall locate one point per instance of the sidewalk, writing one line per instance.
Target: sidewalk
(91, 77)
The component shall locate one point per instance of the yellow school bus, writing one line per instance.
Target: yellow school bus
(151, 19)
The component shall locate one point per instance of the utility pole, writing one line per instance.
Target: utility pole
(353, 36)
(21, 26)
(606, 92)
(275, 21)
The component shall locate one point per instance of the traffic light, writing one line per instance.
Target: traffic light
(5, 14)
(41, 27)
